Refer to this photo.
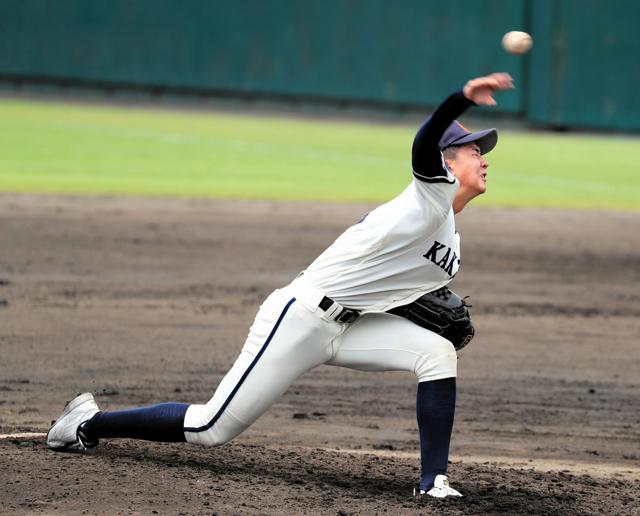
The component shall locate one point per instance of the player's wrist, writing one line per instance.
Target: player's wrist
(463, 94)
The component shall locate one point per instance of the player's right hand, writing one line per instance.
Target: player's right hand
(481, 90)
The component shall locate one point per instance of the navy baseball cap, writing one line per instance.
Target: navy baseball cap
(458, 134)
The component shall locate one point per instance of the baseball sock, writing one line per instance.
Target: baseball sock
(435, 407)
(162, 422)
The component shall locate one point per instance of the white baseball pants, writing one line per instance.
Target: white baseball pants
(291, 335)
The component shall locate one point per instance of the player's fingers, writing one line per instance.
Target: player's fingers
(504, 80)
(506, 83)
(501, 76)
(494, 78)
(500, 81)
(487, 101)
(495, 83)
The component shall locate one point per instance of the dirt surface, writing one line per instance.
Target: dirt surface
(143, 301)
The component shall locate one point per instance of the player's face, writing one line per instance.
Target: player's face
(470, 167)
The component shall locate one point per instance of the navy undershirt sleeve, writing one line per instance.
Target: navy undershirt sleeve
(425, 154)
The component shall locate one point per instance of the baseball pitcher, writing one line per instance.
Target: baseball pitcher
(375, 300)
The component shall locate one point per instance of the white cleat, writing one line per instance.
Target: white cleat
(63, 434)
(441, 488)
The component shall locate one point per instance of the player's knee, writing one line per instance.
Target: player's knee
(210, 437)
(439, 360)
(201, 426)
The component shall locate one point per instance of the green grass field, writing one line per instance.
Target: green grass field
(78, 149)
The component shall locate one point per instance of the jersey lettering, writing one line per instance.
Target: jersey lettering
(442, 263)
(446, 260)
(431, 253)
(449, 269)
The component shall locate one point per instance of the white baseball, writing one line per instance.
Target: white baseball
(517, 42)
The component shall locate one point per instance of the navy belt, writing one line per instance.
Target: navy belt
(345, 315)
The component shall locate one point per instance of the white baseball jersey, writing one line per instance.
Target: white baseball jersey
(398, 252)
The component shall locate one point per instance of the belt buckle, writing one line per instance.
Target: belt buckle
(347, 316)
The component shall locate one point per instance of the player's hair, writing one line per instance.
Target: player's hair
(450, 152)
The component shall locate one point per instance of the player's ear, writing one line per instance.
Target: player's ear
(449, 164)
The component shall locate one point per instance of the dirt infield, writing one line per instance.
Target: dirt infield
(143, 301)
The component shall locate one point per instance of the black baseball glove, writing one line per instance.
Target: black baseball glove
(443, 312)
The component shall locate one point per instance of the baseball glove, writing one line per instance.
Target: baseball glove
(443, 312)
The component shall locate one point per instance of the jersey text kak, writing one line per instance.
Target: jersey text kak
(398, 252)
(449, 258)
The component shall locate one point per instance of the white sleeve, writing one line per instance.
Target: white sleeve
(438, 191)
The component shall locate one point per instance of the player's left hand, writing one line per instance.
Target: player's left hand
(481, 90)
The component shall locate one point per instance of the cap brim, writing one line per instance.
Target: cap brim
(486, 140)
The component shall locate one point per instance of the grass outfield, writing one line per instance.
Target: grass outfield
(76, 149)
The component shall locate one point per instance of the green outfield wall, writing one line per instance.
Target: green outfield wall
(585, 69)
(582, 71)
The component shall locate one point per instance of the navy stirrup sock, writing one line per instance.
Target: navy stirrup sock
(435, 408)
(163, 422)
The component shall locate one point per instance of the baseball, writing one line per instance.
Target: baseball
(517, 42)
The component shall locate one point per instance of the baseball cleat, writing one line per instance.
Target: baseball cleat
(66, 433)
(441, 488)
